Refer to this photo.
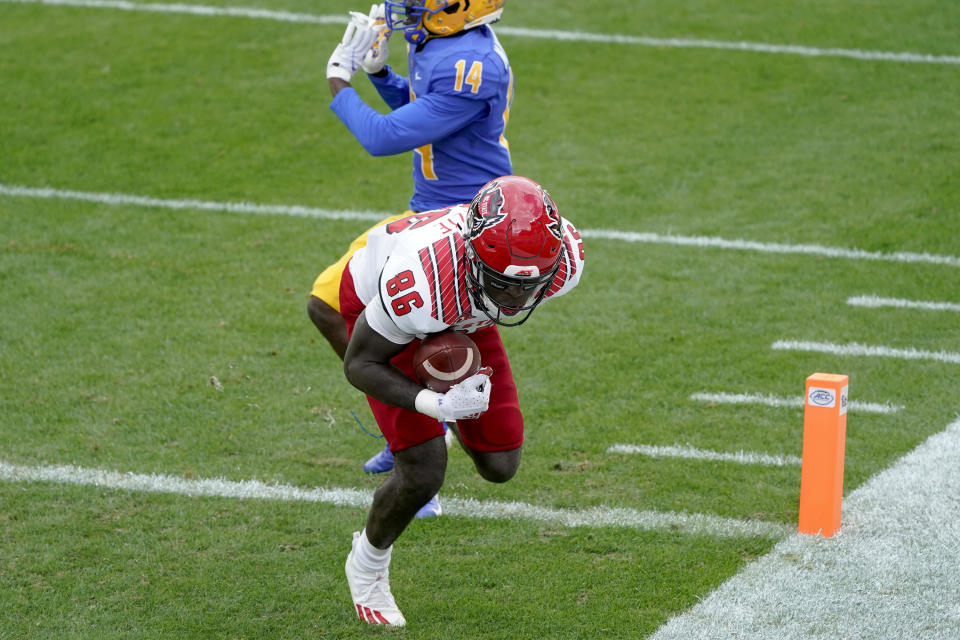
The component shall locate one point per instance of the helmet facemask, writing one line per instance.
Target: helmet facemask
(407, 16)
(486, 283)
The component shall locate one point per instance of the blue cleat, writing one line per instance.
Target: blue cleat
(431, 509)
(448, 435)
(380, 463)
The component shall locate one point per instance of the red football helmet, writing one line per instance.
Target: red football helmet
(514, 245)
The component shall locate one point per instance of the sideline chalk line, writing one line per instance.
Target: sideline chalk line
(548, 34)
(890, 573)
(604, 234)
(689, 523)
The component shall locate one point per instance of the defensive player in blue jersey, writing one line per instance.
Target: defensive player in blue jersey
(450, 110)
(452, 107)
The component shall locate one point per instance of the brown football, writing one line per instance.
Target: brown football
(444, 359)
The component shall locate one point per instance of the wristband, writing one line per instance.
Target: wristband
(337, 70)
(428, 404)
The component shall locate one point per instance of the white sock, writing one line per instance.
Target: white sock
(367, 557)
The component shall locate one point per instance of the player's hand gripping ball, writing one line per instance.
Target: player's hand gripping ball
(444, 359)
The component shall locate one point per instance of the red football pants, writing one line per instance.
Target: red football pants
(500, 428)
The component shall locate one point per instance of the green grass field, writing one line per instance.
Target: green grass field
(114, 318)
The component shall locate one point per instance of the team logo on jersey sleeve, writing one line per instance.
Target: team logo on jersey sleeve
(568, 261)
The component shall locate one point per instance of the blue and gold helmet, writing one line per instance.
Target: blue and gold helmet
(423, 19)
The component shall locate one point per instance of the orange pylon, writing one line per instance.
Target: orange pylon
(824, 439)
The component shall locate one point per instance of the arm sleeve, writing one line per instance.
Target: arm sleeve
(427, 119)
(393, 88)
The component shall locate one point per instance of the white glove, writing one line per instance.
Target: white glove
(377, 55)
(359, 36)
(464, 401)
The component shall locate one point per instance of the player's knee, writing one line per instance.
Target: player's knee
(498, 466)
(497, 473)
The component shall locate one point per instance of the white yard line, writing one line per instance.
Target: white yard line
(203, 205)
(690, 523)
(855, 406)
(891, 572)
(774, 247)
(751, 47)
(606, 234)
(856, 349)
(692, 453)
(520, 32)
(194, 10)
(876, 302)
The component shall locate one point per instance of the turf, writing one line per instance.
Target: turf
(176, 342)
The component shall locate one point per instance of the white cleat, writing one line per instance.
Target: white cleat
(371, 595)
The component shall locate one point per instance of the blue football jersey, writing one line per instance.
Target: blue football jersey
(451, 111)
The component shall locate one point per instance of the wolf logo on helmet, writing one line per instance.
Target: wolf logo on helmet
(486, 208)
(423, 19)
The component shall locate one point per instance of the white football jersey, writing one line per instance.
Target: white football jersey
(411, 275)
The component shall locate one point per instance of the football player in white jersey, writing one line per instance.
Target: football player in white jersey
(469, 268)
(450, 109)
